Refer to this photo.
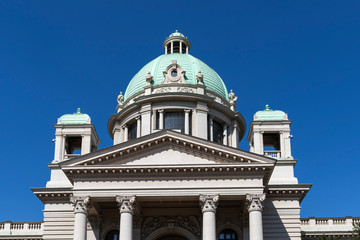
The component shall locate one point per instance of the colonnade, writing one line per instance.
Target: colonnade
(208, 204)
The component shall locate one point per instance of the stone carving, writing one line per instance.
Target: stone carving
(200, 78)
(190, 223)
(126, 204)
(149, 79)
(81, 203)
(174, 73)
(255, 202)
(209, 203)
(233, 100)
(163, 90)
(120, 99)
(185, 89)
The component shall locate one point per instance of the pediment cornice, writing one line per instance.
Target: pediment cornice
(167, 139)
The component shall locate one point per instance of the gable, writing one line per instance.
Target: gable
(167, 148)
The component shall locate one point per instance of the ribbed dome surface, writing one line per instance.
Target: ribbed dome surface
(189, 64)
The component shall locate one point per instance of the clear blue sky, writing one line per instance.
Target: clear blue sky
(298, 56)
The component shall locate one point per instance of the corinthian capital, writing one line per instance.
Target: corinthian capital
(126, 204)
(81, 203)
(209, 203)
(255, 202)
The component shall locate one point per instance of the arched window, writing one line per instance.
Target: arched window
(228, 234)
(112, 235)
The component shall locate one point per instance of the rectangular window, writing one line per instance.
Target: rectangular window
(175, 121)
(132, 131)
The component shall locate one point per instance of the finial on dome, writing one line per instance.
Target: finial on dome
(176, 43)
(267, 108)
(199, 78)
(78, 111)
(149, 78)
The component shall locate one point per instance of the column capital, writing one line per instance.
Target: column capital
(160, 110)
(209, 203)
(81, 203)
(187, 110)
(124, 126)
(126, 204)
(255, 202)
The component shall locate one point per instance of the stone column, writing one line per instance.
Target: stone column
(161, 119)
(208, 205)
(180, 47)
(172, 47)
(211, 126)
(255, 205)
(126, 133)
(81, 207)
(126, 206)
(225, 134)
(138, 127)
(187, 121)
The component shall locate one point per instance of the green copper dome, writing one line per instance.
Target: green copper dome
(189, 64)
(270, 115)
(176, 34)
(75, 118)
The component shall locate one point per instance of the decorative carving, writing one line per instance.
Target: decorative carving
(255, 202)
(185, 89)
(163, 90)
(149, 79)
(150, 224)
(126, 204)
(81, 203)
(209, 203)
(174, 73)
(190, 223)
(120, 99)
(200, 78)
(233, 100)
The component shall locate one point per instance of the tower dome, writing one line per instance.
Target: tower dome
(176, 50)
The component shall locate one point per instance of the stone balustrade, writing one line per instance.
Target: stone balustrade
(328, 224)
(28, 229)
(273, 154)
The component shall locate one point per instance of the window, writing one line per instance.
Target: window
(217, 132)
(174, 120)
(112, 235)
(132, 131)
(228, 234)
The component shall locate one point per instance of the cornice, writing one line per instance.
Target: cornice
(52, 194)
(290, 191)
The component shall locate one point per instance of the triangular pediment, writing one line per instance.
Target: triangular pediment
(167, 148)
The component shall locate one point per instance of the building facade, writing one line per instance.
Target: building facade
(175, 170)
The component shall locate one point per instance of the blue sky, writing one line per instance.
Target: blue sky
(298, 56)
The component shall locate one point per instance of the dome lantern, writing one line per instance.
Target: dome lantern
(176, 43)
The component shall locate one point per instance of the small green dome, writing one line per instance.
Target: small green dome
(75, 118)
(270, 115)
(189, 64)
(176, 34)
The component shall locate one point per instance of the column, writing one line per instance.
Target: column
(161, 119)
(211, 126)
(153, 121)
(172, 47)
(126, 206)
(166, 49)
(180, 47)
(138, 127)
(81, 207)
(255, 205)
(208, 205)
(187, 121)
(126, 133)
(225, 134)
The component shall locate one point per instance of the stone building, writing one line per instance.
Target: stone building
(175, 170)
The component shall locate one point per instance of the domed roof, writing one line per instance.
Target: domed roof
(75, 118)
(189, 64)
(176, 34)
(269, 115)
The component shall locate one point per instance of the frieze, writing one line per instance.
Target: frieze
(185, 89)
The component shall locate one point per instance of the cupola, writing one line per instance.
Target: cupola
(176, 43)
